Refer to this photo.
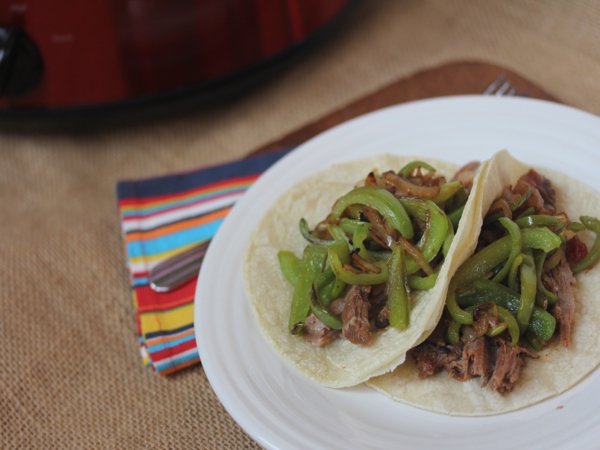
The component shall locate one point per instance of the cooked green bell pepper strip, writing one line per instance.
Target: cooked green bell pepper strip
(455, 216)
(407, 169)
(449, 238)
(577, 227)
(381, 255)
(447, 190)
(534, 341)
(328, 286)
(481, 263)
(528, 291)
(507, 321)
(323, 314)
(349, 225)
(337, 233)
(483, 291)
(592, 224)
(540, 238)
(528, 212)
(542, 322)
(360, 234)
(324, 279)
(453, 332)
(342, 249)
(350, 277)
(331, 291)
(313, 261)
(459, 199)
(540, 301)
(290, 266)
(398, 301)
(432, 242)
(521, 200)
(422, 283)
(305, 231)
(537, 221)
(517, 244)
(513, 327)
(497, 329)
(547, 297)
(324, 285)
(514, 271)
(381, 200)
(472, 270)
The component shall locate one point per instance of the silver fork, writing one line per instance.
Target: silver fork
(178, 269)
(499, 87)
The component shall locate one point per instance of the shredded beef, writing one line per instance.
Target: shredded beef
(317, 333)
(543, 186)
(470, 359)
(378, 301)
(466, 174)
(382, 320)
(337, 306)
(543, 196)
(355, 317)
(564, 310)
(429, 358)
(493, 359)
(508, 364)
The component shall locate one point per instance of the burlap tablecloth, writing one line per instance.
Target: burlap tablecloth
(70, 371)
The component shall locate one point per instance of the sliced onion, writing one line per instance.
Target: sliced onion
(408, 188)
(416, 255)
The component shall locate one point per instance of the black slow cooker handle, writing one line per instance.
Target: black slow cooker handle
(21, 65)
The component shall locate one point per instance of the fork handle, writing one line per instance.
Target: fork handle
(175, 271)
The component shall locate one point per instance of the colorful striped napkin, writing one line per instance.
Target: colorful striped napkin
(161, 217)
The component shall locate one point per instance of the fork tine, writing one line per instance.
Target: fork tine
(492, 87)
(512, 92)
(505, 87)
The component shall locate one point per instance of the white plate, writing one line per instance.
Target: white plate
(277, 406)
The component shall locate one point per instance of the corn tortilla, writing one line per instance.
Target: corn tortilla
(340, 363)
(558, 368)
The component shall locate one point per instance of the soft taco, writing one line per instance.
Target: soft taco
(344, 360)
(522, 317)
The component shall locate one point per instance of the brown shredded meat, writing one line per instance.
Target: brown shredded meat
(466, 174)
(564, 310)
(355, 316)
(493, 359)
(469, 359)
(430, 358)
(544, 187)
(508, 362)
(337, 306)
(317, 333)
(543, 196)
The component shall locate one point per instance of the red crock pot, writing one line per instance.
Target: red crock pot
(72, 59)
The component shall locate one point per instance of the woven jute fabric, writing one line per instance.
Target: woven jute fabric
(70, 371)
